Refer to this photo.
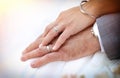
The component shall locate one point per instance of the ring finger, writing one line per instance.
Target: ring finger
(52, 34)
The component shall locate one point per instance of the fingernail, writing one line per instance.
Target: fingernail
(33, 65)
(54, 48)
(24, 51)
(40, 45)
(23, 58)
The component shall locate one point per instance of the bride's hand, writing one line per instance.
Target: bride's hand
(69, 23)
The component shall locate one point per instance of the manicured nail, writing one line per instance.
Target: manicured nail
(33, 65)
(40, 45)
(54, 48)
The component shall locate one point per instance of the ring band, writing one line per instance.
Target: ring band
(55, 29)
(93, 33)
(48, 48)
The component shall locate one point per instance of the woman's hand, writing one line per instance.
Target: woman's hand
(69, 23)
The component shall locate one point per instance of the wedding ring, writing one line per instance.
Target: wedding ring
(55, 29)
(93, 33)
(48, 49)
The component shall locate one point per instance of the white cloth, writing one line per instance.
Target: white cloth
(96, 31)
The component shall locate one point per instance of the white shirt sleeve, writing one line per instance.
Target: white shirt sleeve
(96, 32)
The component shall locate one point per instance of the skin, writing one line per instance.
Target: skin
(68, 23)
(72, 21)
(74, 39)
(75, 47)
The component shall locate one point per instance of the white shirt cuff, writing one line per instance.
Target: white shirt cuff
(96, 31)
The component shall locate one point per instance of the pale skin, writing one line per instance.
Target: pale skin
(75, 47)
(67, 26)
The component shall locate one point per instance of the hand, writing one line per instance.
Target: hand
(69, 23)
(77, 46)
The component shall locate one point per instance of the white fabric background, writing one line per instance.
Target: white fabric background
(23, 24)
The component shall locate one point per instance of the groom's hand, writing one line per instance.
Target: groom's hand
(77, 46)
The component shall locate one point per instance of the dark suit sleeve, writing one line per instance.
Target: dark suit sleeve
(109, 29)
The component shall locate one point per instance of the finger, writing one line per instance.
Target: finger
(37, 53)
(51, 35)
(51, 57)
(33, 54)
(33, 45)
(48, 28)
(63, 37)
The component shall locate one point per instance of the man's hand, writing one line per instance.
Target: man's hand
(80, 45)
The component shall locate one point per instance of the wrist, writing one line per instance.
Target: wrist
(98, 8)
(91, 7)
(84, 11)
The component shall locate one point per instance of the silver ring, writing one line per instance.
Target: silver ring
(55, 29)
(48, 48)
(93, 33)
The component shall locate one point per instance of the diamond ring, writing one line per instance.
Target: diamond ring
(48, 49)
